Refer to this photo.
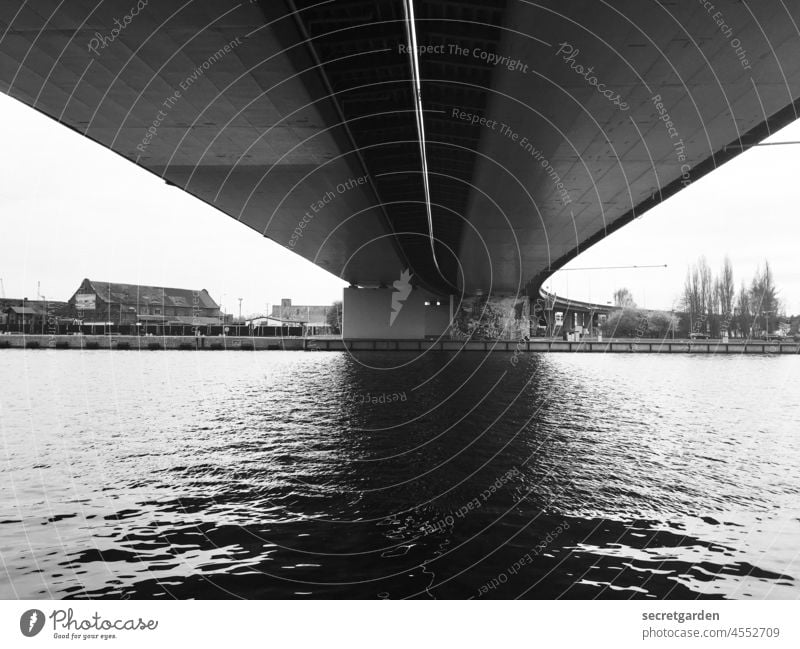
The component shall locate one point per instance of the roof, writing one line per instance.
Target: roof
(303, 313)
(24, 310)
(116, 293)
(50, 305)
(199, 321)
(194, 320)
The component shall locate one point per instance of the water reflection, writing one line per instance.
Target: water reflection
(274, 475)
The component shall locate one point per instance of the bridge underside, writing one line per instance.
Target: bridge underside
(547, 124)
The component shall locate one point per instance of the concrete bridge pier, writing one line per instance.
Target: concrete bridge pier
(391, 314)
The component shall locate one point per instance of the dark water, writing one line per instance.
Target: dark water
(261, 475)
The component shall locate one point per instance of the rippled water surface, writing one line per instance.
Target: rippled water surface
(290, 474)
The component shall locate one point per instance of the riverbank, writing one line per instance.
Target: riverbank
(150, 343)
(248, 343)
(616, 345)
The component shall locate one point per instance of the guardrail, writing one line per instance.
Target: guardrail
(553, 345)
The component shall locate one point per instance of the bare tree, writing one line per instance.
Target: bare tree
(727, 289)
(693, 299)
(706, 287)
(334, 317)
(724, 294)
(744, 318)
(624, 298)
(764, 302)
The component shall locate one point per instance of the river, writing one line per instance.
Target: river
(392, 475)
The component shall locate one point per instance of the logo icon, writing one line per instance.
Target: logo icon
(31, 622)
(401, 291)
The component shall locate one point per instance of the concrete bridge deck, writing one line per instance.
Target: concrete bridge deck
(304, 119)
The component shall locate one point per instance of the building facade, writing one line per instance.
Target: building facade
(30, 316)
(133, 304)
(314, 319)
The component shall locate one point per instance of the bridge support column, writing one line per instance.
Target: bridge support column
(383, 314)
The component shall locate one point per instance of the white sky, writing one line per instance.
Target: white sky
(747, 209)
(71, 209)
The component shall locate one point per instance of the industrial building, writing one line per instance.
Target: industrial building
(314, 319)
(153, 307)
(30, 316)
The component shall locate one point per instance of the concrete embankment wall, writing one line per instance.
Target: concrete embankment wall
(148, 343)
(606, 347)
(245, 343)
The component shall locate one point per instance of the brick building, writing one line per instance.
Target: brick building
(132, 304)
(314, 319)
(30, 316)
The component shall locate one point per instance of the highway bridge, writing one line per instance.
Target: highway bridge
(422, 150)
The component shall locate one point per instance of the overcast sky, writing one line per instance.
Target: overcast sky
(747, 209)
(71, 209)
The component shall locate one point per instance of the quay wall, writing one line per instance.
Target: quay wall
(247, 343)
(150, 343)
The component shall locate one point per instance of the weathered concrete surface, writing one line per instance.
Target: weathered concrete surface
(152, 343)
(532, 159)
(616, 346)
(149, 343)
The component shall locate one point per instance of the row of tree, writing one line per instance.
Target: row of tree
(714, 306)
(709, 304)
(632, 322)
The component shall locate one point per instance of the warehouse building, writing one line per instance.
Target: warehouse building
(115, 304)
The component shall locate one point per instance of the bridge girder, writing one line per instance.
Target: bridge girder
(548, 124)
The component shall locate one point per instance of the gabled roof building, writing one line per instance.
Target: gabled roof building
(116, 303)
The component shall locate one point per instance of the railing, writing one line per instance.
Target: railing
(556, 345)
